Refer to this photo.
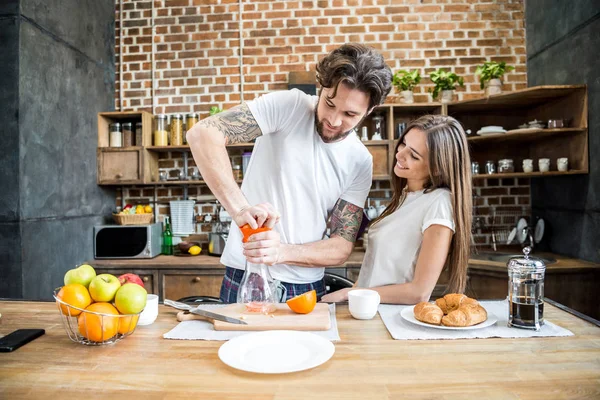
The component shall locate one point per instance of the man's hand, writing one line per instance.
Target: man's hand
(263, 248)
(337, 296)
(256, 216)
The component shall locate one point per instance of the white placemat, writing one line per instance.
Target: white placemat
(401, 329)
(204, 330)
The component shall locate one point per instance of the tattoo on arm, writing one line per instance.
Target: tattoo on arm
(237, 124)
(345, 220)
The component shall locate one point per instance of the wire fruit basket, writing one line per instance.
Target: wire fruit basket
(133, 219)
(94, 328)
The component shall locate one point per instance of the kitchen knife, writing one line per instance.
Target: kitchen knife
(212, 315)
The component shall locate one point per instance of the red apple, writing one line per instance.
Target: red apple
(131, 278)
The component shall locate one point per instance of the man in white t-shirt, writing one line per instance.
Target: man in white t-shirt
(308, 168)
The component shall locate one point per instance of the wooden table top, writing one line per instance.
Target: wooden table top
(367, 363)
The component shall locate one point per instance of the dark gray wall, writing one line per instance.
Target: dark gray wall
(62, 75)
(563, 38)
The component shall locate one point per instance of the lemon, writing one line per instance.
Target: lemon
(194, 250)
(148, 209)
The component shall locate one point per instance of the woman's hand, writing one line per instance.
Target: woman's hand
(263, 248)
(337, 296)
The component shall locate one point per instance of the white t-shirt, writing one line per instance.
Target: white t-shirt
(395, 242)
(302, 176)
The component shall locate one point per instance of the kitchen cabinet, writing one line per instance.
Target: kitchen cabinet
(126, 165)
(181, 283)
(512, 109)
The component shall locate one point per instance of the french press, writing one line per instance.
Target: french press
(526, 291)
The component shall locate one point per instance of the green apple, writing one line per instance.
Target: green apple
(131, 298)
(104, 287)
(82, 275)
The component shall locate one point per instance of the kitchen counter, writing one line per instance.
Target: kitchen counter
(367, 363)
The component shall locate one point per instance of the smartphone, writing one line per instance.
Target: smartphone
(18, 338)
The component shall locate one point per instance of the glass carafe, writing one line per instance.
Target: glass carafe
(258, 289)
(526, 291)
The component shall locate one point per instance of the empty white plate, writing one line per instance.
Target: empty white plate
(539, 230)
(409, 315)
(276, 352)
(521, 224)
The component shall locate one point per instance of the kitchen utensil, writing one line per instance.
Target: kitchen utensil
(408, 314)
(526, 291)
(283, 318)
(557, 123)
(210, 316)
(562, 164)
(276, 352)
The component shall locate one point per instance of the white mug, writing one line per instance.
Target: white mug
(528, 165)
(562, 164)
(150, 313)
(371, 212)
(363, 303)
(544, 164)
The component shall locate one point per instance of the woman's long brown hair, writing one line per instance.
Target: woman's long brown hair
(450, 168)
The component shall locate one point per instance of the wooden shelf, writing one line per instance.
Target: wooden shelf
(381, 177)
(521, 98)
(523, 134)
(528, 174)
(185, 147)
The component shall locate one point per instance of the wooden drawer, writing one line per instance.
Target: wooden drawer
(120, 165)
(381, 158)
(176, 285)
(150, 278)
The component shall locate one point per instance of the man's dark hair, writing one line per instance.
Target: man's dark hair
(359, 67)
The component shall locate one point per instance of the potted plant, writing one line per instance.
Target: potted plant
(445, 82)
(404, 82)
(490, 74)
(214, 110)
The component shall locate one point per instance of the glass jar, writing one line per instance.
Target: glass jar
(474, 168)
(138, 134)
(490, 167)
(127, 134)
(526, 291)
(506, 165)
(378, 124)
(161, 137)
(237, 172)
(177, 130)
(258, 289)
(115, 136)
(190, 120)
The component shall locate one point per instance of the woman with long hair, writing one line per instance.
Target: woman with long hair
(427, 225)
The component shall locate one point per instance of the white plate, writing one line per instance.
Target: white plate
(494, 128)
(409, 315)
(511, 235)
(481, 133)
(539, 230)
(276, 352)
(521, 224)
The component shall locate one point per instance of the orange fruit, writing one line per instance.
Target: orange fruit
(127, 324)
(76, 295)
(99, 328)
(247, 231)
(303, 303)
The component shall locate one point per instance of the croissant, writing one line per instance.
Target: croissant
(452, 301)
(453, 309)
(428, 313)
(465, 315)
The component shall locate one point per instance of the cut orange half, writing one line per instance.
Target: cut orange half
(303, 303)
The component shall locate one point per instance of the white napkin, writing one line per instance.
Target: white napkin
(401, 329)
(204, 330)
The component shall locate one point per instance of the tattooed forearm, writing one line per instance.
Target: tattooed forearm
(237, 125)
(345, 220)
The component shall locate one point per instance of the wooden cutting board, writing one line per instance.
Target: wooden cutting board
(282, 319)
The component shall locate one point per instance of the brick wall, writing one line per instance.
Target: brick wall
(198, 62)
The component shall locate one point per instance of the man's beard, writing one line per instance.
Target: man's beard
(337, 137)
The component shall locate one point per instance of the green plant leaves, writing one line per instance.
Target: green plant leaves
(491, 70)
(444, 80)
(214, 110)
(405, 80)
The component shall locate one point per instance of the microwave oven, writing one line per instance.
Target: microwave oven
(127, 241)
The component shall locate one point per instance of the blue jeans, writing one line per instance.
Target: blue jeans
(233, 278)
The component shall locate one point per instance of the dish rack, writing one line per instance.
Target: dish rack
(126, 323)
(504, 221)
